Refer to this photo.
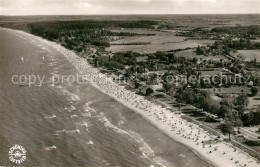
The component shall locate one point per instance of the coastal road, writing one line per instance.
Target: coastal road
(249, 135)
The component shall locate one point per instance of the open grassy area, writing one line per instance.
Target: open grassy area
(141, 31)
(158, 43)
(249, 55)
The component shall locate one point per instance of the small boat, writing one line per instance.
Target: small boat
(22, 59)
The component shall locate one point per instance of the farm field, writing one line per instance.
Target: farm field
(254, 102)
(144, 31)
(157, 43)
(158, 39)
(249, 55)
(190, 54)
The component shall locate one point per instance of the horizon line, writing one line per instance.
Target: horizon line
(136, 14)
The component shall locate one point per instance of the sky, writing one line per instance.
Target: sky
(99, 7)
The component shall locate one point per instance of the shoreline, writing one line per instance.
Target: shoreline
(180, 130)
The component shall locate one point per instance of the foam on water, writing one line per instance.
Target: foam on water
(61, 131)
(65, 91)
(73, 131)
(70, 109)
(144, 147)
(74, 116)
(74, 97)
(50, 117)
(86, 114)
(82, 124)
(49, 148)
(146, 150)
(87, 108)
(85, 124)
(162, 162)
(107, 123)
(121, 122)
(59, 87)
(90, 142)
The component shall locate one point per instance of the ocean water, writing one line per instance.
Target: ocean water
(72, 124)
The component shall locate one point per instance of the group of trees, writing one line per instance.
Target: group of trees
(105, 61)
(254, 91)
(198, 98)
(170, 62)
(233, 112)
(243, 43)
(251, 118)
(248, 32)
(237, 113)
(118, 61)
(238, 119)
(155, 62)
(243, 31)
(75, 35)
(225, 46)
(166, 27)
(240, 103)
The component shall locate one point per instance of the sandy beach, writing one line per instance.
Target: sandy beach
(217, 152)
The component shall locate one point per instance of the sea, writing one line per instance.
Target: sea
(70, 123)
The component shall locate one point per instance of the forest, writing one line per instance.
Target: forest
(75, 35)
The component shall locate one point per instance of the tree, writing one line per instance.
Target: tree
(200, 51)
(255, 61)
(152, 80)
(254, 91)
(251, 118)
(223, 110)
(137, 84)
(195, 60)
(167, 87)
(241, 102)
(227, 128)
(235, 69)
(128, 73)
(239, 124)
(149, 91)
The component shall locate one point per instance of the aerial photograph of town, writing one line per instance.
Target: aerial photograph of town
(130, 83)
